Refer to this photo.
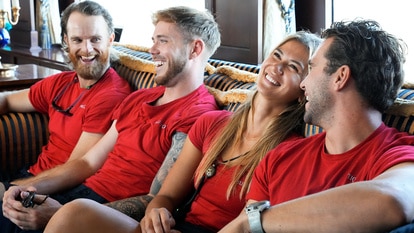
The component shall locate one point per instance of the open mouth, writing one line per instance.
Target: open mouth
(88, 58)
(158, 63)
(270, 79)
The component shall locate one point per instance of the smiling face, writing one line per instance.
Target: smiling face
(169, 53)
(281, 73)
(88, 40)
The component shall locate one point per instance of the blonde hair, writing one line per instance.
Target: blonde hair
(288, 122)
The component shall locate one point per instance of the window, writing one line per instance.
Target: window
(135, 19)
(394, 17)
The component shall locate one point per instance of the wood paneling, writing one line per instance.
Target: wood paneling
(310, 15)
(241, 29)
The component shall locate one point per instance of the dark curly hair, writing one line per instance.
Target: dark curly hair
(374, 56)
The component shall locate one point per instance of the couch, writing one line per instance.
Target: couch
(22, 135)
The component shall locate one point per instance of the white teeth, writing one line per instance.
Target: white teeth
(158, 63)
(272, 80)
(307, 98)
(88, 58)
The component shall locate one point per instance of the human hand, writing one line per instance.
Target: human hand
(33, 217)
(158, 220)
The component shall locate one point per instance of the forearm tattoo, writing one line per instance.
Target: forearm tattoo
(172, 155)
(135, 206)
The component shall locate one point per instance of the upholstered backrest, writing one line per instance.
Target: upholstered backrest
(22, 136)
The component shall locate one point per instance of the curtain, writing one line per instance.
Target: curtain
(279, 21)
(48, 11)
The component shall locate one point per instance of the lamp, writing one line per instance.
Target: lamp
(9, 13)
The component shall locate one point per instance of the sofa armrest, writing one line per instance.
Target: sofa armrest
(22, 136)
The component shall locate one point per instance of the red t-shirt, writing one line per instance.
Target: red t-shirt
(211, 209)
(299, 168)
(92, 113)
(144, 138)
(207, 209)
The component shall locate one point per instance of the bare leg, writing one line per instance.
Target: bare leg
(83, 215)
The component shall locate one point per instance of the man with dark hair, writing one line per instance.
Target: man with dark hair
(357, 176)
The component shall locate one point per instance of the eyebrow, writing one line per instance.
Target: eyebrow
(160, 37)
(292, 60)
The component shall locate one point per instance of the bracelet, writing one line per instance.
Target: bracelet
(43, 200)
(29, 200)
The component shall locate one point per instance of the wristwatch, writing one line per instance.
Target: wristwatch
(253, 212)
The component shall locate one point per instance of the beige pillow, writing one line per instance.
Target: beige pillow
(135, 63)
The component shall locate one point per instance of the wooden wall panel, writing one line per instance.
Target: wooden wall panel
(241, 29)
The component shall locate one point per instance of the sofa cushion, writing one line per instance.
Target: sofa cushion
(401, 114)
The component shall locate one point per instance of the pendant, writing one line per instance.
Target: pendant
(211, 171)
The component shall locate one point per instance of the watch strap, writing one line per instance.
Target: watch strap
(255, 221)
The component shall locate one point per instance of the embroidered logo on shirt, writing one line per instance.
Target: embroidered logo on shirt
(351, 178)
(163, 126)
(82, 106)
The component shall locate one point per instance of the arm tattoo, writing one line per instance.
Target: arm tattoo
(135, 206)
(172, 155)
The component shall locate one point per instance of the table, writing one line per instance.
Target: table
(53, 58)
(25, 76)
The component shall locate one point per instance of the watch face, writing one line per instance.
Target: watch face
(260, 205)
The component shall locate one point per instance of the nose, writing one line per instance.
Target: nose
(88, 46)
(279, 68)
(302, 84)
(153, 50)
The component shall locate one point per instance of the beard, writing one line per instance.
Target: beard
(318, 109)
(90, 72)
(175, 66)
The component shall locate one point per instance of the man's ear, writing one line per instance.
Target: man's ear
(111, 38)
(342, 77)
(65, 38)
(197, 48)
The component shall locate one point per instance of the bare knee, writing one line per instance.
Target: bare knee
(73, 212)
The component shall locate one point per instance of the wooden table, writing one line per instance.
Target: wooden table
(53, 58)
(25, 76)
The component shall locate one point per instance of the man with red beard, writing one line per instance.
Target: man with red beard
(79, 103)
(148, 131)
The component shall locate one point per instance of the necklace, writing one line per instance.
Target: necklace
(211, 171)
(234, 158)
